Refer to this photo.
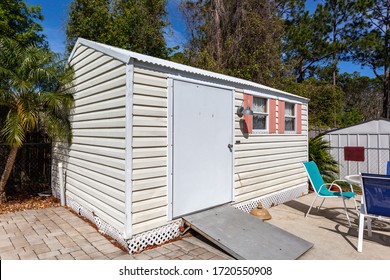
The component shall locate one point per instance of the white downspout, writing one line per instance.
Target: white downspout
(61, 183)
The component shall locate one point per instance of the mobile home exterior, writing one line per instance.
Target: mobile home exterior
(154, 140)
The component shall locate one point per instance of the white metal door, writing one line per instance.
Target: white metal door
(202, 156)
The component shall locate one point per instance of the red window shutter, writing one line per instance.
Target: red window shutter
(299, 118)
(272, 115)
(281, 117)
(248, 119)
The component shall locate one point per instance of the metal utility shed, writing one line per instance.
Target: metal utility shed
(155, 140)
(373, 137)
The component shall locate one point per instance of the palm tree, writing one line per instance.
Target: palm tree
(319, 152)
(35, 93)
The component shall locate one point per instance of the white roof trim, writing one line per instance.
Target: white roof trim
(376, 126)
(277, 95)
(125, 56)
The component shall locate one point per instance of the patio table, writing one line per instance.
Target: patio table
(356, 180)
(353, 179)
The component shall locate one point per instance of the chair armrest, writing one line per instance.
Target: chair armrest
(330, 185)
(344, 181)
(337, 186)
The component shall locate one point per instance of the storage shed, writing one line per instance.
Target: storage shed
(364, 147)
(155, 140)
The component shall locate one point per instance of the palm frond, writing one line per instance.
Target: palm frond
(34, 85)
(319, 152)
(12, 131)
(28, 113)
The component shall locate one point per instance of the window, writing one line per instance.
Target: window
(289, 117)
(260, 113)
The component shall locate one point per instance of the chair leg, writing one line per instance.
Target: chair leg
(346, 212)
(360, 234)
(368, 222)
(369, 227)
(321, 204)
(357, 211)
(311, 206)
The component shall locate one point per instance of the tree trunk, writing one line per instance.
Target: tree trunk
(7, 172)
(300, 73)
(217, 12)
(335, 31)
(386, 94)
(386, 86)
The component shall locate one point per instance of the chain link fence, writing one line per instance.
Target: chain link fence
(375, 161)
(32, 169)
(372, 137)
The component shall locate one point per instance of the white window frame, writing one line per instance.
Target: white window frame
(294, 117)
(256, 130)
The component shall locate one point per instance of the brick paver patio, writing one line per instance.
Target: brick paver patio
(57, 233)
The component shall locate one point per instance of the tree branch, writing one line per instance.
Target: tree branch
(378, 26)
(315, 60)
(377, 75)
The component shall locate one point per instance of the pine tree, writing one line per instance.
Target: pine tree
(303, 44)
(371, 37)
(334, 18)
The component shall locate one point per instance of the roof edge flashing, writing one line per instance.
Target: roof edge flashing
(379, 125)
(106, 49)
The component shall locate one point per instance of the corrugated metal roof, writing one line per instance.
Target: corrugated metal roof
(125, 56)
(376, 126)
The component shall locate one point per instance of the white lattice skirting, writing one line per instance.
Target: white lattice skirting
(154, 237)
(170, 231)
(138, 242)
(273, 199)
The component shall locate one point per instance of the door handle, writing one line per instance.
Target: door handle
(230, 146)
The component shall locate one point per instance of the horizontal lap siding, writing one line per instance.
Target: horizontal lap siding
(266, 163)
(96, 163)
(150, 192)
(305, 119)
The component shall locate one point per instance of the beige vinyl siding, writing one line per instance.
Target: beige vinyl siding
(150, 132)
(95, 176)
(266, 163)
(305, 119)
(95, 162)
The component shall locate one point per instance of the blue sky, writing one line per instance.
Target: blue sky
(55, 14)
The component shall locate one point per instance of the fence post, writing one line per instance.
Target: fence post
(61, 183)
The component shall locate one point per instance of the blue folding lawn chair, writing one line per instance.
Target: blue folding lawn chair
(323, 190)
(375, 202)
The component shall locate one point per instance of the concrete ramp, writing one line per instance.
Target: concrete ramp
(246, 237)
